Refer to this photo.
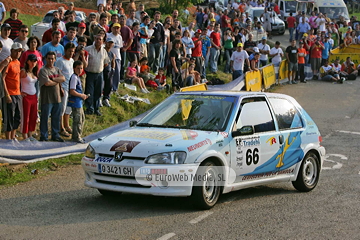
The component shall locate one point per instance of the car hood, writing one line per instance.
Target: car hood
(41, 25)
(142, 142)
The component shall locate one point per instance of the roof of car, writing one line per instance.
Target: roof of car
(233, 93)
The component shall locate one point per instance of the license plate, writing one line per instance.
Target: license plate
(116, 170)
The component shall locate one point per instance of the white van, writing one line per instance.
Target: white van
(333, 8)
(286, 7)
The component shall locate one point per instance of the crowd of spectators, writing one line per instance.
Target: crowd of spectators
(80, 63)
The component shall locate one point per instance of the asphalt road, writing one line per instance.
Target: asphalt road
(58, 206)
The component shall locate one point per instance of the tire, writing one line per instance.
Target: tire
(282, 33)
(205, 194)
(309, 173)
(107, 193)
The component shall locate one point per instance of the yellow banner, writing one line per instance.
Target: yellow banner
(198, 87)
(253, 81)
(283, 70)
(268, 75)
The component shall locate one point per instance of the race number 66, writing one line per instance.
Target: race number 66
(252, 156)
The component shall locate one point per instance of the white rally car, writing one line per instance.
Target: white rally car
(202, 144)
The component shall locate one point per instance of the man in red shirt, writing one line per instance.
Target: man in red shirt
(315, 57)
(225, 21)
(197, 51)
(215, 39)
(291, 25)
(55, 26)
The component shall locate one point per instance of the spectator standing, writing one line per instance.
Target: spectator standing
(267, 15)
(22, 38)
(53, 46)
(71, 21)
(81, 30)
(11, 82)
(14, 22)
(238, 58)
(197, 51)
(91, 18)
(276, 54)
(55, 26)
(6, 41)
(32, 44)
(326, 51)
(28, 79)
(108, 71)
(141, 9)
(130, 21)
(76, 97)
(303, 28)
(98, 59)
(199, 18)
(65, 64)
(61, 11)
(2, 12)
(82, 55)
(133, 52)
(315, 57)
(206, 45)
(264, 50)
(176, 60)
(215, 39)
(144, 30)
(114, 19)
(62, 26)
(301, 61)
(156, 42)
(131, 6)
(291, 26)
(127, 36)
(228, 47)
(312, 22)
(118, 44)
(70, 37)
(320, 21)
(291, 54)
(188, 43)
(250, 44)
(71, 8)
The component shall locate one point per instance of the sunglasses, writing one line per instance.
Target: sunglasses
(24, 31)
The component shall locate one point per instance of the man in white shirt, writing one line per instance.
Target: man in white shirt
(320, 21)
(237, 61)
(2, 12)
(264, 49)
(138, 12)
(118, 44)
(276, 53)
(6, 41)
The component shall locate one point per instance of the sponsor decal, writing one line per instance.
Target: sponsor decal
(271, 141)
(255, 141)
(91, 165)
(199, 145)
(103, 159)
(267, 174)
(147, 134)
(224, 134)
(200, 97)
(189, 134)
(153, 171)
(124, 146)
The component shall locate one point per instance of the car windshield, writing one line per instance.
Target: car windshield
(335, 12)
(201, 112)
(290, 6)
(48, 18)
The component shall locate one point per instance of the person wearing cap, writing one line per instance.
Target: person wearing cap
(71, 7)
(291, 54)
(6, 41)
(109, 70)
(197, 51)
(238, 59)
(22, 38)
(326, 51)
(115, 49)
(301, 61)
(98, 59)
(81, 30)
(71, 21)
(264, 50)
(14, 22)
(13, 98)
(55, 26)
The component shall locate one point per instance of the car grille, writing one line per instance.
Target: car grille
(122, 184)
(122, 158)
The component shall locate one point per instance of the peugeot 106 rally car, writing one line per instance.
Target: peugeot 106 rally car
(203, 144)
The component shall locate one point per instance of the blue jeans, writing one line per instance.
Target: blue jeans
(214, 56)
(263, 62)
(116, 76)
(93, 86)
(237, 73)
(155, 51)
(291, 32)
(123, 61)
(227, 56)
(163, 56)
(189, 81)
(55, 110)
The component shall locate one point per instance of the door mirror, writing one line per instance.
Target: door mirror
(245, 130)
(132, 123)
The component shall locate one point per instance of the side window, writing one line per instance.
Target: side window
(281, 6)
(255, 112)
(287, 115)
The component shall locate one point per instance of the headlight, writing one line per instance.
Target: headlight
(90, 152)
(167, 158)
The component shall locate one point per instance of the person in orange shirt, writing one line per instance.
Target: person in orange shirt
(11, 80)
(242, 7)
(301, 61)
(348, 69)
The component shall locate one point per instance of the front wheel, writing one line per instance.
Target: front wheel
(207, 189)
(282, 32)
(309, 173)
